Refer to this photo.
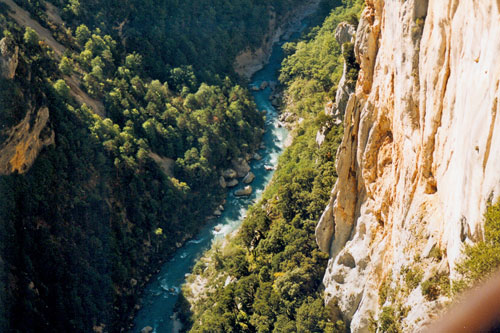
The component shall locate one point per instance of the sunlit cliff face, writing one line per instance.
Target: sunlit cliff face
(420, 157)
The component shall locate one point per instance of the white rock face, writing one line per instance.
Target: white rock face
(420, 157)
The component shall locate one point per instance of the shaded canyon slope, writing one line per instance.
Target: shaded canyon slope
(420, 156)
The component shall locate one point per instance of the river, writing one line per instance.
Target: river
(161, 294)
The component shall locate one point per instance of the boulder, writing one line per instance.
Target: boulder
(345, 33)
(263, 85)
(249, 178)
(229, 174)
(217, 212)
(222, 182)
(232, 183)
(241, 167)
(244, 191)
(147, 329)
(257, 157)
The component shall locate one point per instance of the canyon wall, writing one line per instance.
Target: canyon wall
(420, 157)
(249, 61)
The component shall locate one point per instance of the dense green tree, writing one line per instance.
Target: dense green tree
(30, 37)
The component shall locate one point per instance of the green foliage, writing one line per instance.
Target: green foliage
(173, 34)
(30, 37)
(315, 65)
(61, 88)
(388, 320)
(82, 34)
(352, 65)
(278, 288)
(92, 205)
(438, 284)
(66, 66)
(483, 257)
(385, 292)
(413, 276)
(276, 250)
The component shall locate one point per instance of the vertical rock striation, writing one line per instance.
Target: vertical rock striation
(420, 156)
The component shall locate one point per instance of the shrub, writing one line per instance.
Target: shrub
(413, 277)
(438, 284)
(61, 88)
(30, 37)
(483, 257)
(387, 321)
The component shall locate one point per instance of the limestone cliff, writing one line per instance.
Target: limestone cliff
(420, 157)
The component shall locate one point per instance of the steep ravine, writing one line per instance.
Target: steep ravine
(420, 157)
(160, 296)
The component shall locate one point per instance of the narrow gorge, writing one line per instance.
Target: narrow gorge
(247, 165)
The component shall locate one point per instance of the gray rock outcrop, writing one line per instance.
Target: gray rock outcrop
(249, 178)
(246, 191)
(240, 165)
(9, 58)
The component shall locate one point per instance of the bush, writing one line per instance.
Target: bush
(66, 66)
(61, 88)
(387, 321)
(413, 277)
(437, 285)
(30, 37)
(484, 257)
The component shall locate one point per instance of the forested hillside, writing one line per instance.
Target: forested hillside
(205, 35)
(267, 278)
(85, 226)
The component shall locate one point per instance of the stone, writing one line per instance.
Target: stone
(217, 213)
(263, 85)
(241, 167)
(344, 33)
(222, 182)
(232, 183)
(246, 191)
(325, 228)
(147, 329)
(9, 58)
(249, 178)
(257, 157)
(229, 174)
(347, 260)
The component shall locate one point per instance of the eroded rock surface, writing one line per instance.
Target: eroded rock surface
(9, 58)
(420, 156)
(25, 141)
